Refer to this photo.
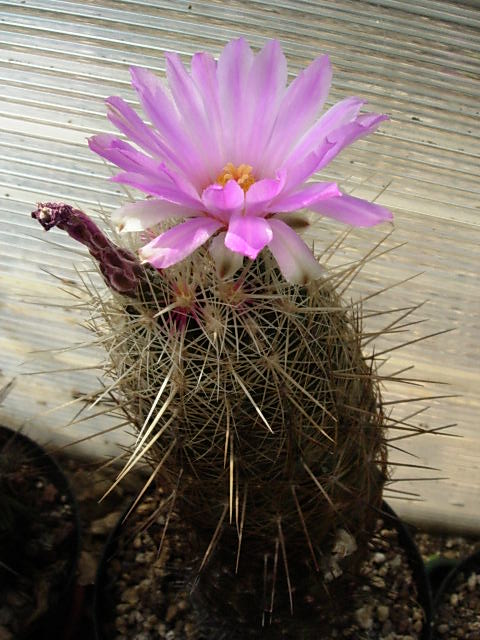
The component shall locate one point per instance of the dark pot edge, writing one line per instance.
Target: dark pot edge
(417, 566)
(52, 620)
(469, 562)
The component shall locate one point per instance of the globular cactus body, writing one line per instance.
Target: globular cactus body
(260, 415)
(259, 411)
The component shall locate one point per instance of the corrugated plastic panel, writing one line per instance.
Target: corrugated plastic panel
(418, 61)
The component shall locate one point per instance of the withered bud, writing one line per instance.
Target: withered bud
(120, 268)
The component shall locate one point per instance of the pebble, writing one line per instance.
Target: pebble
(363, 616)
(382, 613)
(418, 614)
(378, 581)
(172, 612)
(472, 582)
(122, 607)
(418, 626)
(379, 558)
(130, 595)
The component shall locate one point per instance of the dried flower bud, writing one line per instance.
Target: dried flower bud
(120, 268)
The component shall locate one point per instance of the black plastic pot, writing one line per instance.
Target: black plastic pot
(437, 570)
(444, 574)
(51, 623)
(103, 604)
(417, 566)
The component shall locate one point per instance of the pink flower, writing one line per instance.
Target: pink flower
(230, 149)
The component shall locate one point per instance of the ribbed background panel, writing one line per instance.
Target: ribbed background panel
(418, 61)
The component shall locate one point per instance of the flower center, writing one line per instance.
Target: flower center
(241, 174)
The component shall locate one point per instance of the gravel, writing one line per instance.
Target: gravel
(98, 519)
(148, 599)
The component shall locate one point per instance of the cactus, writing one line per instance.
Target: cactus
(244, 379)
(262, 419)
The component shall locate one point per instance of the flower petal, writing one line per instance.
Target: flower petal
(330, 141)
(337, 116)
(307, 196)
(354, 211)
(227, 262)
(299, 108)
(248, 235)
(190, 106)
(161, 111)
(224, 202)
(122, 154)
(178, 242)
(140, 215)
(160, 185)
(233, 71)
(204, 74)
(261, 194)
(122, 116)
(343, 136)
(298, 173)
(295, 260)
(266, 88)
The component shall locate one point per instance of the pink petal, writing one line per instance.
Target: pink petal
(161, 111)
(122, 116)
(248, 235)
(181, 182)
(299, 109)
(160, 185)
(307, 196)
(143, 214)
(346, 135)
(330, 141)
(224, 202)
(190, 105)
(261, 193)
(337, 116)
(298, 173)
(177, 243)
(204, 74)
(266, 88)
(122, 154)
(233, 71)
(227, 262)
(295, 260)
(354, 211)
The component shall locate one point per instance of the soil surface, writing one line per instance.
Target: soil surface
(458, 616)
(139, 573)
(91, 483)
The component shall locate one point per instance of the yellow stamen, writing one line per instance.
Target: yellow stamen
(241, 174)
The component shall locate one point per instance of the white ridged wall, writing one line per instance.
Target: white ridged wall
(418, 61)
